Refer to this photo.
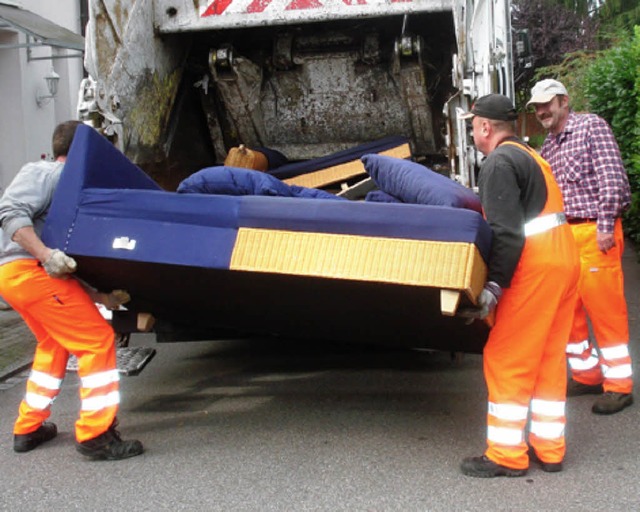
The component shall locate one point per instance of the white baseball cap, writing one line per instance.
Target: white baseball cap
(545, 90)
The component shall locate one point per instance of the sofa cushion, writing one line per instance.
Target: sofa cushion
(414, 183)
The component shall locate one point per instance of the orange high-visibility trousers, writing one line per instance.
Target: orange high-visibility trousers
(524, 362)
(64, 320)
(601, 297)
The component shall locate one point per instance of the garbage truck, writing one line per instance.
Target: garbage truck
(176, 84)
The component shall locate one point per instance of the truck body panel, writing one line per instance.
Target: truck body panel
(181, 16)
(177, 83)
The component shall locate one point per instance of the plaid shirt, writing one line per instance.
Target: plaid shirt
(586, 161)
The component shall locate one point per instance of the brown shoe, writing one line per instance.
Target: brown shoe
(611, 402)
(575, 388)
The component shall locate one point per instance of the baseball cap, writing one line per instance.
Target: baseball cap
(545, 90)
(492, 106)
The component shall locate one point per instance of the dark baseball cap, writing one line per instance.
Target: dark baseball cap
(492, 106)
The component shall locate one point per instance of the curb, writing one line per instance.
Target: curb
(15, 369)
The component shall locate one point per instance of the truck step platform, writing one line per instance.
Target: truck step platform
(130, 360)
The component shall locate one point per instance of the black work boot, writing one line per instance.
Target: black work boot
(575, 388)
(109, 446)
(483, 467)
(27, 442)
(611, 402)
(548, 467)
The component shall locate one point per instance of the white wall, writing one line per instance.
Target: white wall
(26, 128)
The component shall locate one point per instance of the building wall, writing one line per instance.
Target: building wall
(25, 127)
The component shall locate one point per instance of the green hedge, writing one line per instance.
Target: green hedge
(612, 90)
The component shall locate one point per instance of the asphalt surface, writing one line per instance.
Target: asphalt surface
(16, 344)
(262, 425)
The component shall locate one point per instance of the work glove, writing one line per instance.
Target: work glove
(113, 300)
(487, 302)
(58, 264)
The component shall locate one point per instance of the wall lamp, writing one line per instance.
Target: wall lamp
(52, 80)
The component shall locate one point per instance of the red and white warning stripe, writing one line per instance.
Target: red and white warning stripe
(218, 7)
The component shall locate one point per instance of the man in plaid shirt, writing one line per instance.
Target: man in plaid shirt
(586, 162)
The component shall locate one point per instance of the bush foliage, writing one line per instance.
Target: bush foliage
(612, 90)
(607, 83)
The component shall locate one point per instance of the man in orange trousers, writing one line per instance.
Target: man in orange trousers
(531, 284)
(586, 162)
(60, 311)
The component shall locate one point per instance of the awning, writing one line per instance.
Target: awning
(45, 32)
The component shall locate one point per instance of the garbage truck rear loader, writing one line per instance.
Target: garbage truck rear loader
(177, 83)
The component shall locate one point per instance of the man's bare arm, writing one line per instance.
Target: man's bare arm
(27, 238)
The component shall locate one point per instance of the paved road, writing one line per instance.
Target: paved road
(263, 425)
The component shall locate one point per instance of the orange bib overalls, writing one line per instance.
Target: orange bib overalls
(524, 358)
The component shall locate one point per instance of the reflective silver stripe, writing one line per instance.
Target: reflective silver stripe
(547, 407)
(544, 223)
(100, 402)
(622, 371)
(580, 364)
(37, 401)
(578, 347)
(44, 380)
(508, 412)
(97, 380)
(506, 436)
(547, 429)
(617, 352)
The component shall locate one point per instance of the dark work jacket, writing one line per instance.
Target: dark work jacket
(512, 191)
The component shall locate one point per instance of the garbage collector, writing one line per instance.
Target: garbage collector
(587, 164)
(532, 287)
(61, 312)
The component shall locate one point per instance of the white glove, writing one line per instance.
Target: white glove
(115, 299)
(59, 264)
(487, 302)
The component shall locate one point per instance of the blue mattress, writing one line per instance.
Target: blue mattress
(126, 232)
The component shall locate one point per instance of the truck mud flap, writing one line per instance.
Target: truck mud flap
(130, 360)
